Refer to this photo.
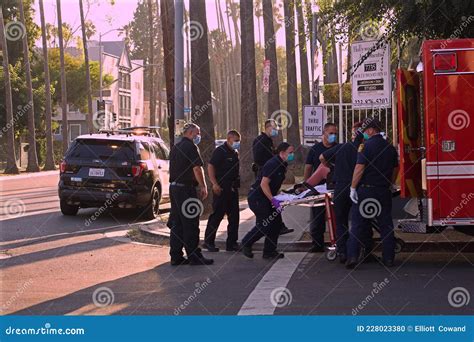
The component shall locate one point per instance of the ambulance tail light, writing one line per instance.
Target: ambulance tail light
(445, 62)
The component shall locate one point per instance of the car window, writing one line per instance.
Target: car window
(146, 151)
(161, 152)
(102, 149)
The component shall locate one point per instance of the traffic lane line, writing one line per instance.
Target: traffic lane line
(272, 289)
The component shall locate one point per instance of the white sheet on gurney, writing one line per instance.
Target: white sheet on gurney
(322, 189)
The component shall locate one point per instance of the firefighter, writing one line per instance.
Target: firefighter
(344, 157)
(265, 207)
(374, 175)
(263, 151)
(223, 170)
(317, 225)
(186, 172)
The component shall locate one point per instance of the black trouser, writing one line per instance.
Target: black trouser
(184, 222)
(317, 226)
(227, 203)
(266, 225)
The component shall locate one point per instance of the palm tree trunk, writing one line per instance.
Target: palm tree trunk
(32, 155)
(151, 60)
(90, 125)
(49, 163)
(167, 26)
(11, 166)
(293, 129)
(248, 126)
(305, 92)
(64, 121)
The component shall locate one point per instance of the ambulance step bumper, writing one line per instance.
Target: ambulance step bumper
(412, 226)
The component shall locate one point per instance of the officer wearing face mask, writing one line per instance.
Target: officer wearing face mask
(223, 170)
(265, 206)
(317, 224)
(186, 173)
(263, 150)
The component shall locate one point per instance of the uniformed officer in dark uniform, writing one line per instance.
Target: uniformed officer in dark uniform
(223, 170)
(186, 173)
(344, 157)
(317, 224)
(263, 150)
(374, 175)
(265, 207)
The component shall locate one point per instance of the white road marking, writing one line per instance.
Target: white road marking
(258, 302)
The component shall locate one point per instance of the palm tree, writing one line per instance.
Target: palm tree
(151, 61)
(49, 163)
(64, 109)
(32, 155)
(305, 92)
(248, 126)
(11, 166)
(90, 125)
(293, 130)
(167, 19)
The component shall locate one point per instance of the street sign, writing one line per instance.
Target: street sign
(371, 82)
(313, 121)
(266, 76)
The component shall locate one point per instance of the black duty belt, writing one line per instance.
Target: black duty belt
(182, 185)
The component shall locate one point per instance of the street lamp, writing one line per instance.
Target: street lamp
(227, 101)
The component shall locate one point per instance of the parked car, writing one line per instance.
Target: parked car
(117, 169)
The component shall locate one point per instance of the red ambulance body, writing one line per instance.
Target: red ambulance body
(436, 135)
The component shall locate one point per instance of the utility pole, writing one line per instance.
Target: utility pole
(179, 68)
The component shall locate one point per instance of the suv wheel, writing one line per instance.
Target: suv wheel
(67, 209)
(153, 207)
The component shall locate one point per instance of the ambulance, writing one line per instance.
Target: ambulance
(436, 136)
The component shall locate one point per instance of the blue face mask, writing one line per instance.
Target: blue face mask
(236, 145)
(366, 136)
(274, 132)
(291, 157)
(197, 139)
(332, 138)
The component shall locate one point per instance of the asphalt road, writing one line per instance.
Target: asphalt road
(55, 265)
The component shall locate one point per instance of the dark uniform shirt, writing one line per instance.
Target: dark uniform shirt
(344, 157)
(226, 164)
(262, 149)
(313, 157)
(184, 156)
(379, 158)
(275, 169)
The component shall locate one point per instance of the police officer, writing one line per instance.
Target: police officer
(265, 207)
(186, 173)
(223, 170)
(374, 175)
(317, 224)
(263, 150)
(344, 157)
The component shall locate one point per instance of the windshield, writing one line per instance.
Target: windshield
(102, 149)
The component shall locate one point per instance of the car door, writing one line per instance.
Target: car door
(162, 160)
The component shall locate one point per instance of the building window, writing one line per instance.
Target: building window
(74, 131)
(124, 80)
(124, 106)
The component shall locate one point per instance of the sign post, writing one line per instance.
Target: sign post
(371, 83)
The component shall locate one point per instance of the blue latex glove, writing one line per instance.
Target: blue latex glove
(277, 204)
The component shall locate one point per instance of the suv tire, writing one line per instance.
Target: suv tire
(153, 207)
(67, 209)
